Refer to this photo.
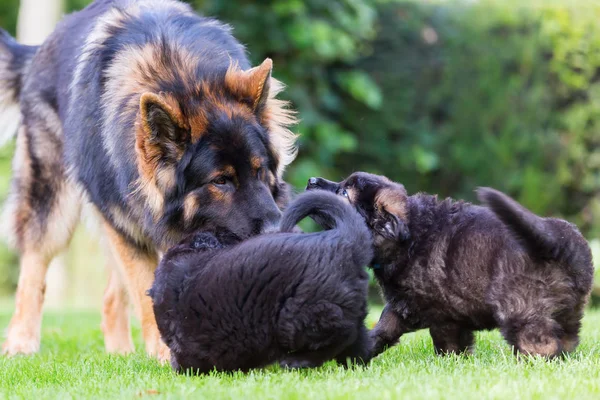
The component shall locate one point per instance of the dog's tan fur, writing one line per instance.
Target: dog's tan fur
(137, 268)
(115, 316)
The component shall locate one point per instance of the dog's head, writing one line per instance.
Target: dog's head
(211, 154)
(381, 202)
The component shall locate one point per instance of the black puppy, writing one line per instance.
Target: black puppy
(300, 299)
(455, 268)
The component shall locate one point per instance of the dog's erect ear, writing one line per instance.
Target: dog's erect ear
(164, 134)
(251, 86)
(256, 89)
(391, 213)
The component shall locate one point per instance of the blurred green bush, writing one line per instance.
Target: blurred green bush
(491, 93)
(9, 273)
(9, 11)
(441, 96)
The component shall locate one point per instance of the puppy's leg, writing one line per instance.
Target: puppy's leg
(358, 352)
(534, 336)
(452, 338)
(570, 339)
(115, 312)
(387, 331)
(137, 267)
(41, 213)
(311, 359)
(193, 365)
(570, 322)
(316, 358)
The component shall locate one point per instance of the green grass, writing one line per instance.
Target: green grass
(72, 364)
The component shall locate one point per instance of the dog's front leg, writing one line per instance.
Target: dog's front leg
(387, 331)
(137, 268)
(23, 335)
(452, 339)
(115, 313)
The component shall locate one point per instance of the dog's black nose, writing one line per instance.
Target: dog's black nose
(322, 184)
(313, 183)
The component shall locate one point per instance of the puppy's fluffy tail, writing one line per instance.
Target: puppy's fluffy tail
(546, 238)
(14, 61)
(332, 213)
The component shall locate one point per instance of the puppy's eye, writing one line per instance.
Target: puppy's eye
(345, 193)
(221, 180)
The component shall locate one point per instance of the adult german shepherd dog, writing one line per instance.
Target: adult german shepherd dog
(153, 115)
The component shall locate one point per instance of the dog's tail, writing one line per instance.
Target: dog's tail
(546, 238)
(327, 209)
(14, 61)
(332, 213)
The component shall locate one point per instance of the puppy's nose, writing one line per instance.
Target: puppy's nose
(313, 183)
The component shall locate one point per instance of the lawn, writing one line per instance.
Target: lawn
(72, 364)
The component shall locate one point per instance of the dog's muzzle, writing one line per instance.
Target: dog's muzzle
(322, 184)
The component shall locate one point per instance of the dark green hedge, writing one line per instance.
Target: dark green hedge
(9, 10)
(486, 94)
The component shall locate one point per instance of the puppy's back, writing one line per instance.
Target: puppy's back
(547, 239)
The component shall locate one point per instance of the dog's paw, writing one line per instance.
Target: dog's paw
(156, 348)
(23, 345)
(163, 353)
(118, 344)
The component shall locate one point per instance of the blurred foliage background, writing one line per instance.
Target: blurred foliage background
(443, 96)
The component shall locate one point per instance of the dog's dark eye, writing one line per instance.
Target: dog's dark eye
(221, 180)
(345, 193)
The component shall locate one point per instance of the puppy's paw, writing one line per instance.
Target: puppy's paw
(297, 363)
(205, 241)
(353, 362)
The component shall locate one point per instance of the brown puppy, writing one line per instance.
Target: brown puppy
(455, 268)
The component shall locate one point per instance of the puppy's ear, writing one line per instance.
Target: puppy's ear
(391, 213)
(163, 133)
